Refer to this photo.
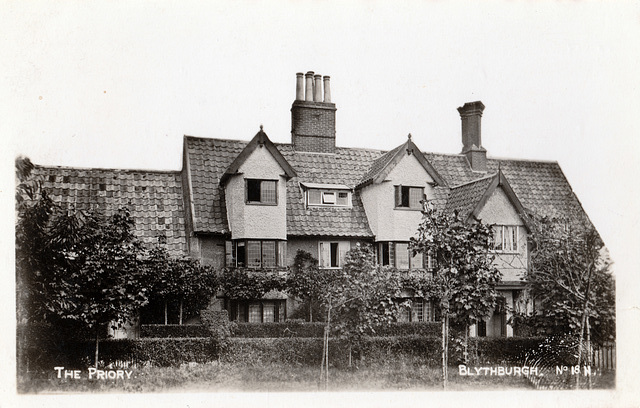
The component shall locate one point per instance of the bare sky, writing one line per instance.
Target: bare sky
(117, 84)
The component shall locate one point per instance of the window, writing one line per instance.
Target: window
(333, 198)
(258, 254)
(409, 197)
(397, 254)
(257, 311)
(331, 254)
(261, 191)
(419, 311)
(505, 238)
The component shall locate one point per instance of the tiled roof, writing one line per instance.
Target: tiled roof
(540, 186)
(153, 198)
(466, 197)
(208, 159)
(346, 167)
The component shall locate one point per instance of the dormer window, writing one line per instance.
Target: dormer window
(261, 191)
(330, 195)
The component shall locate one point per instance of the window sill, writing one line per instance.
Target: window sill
(259, 203)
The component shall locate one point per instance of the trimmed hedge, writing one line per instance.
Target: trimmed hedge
(162, 352)
(296, 328)
(501, 350)
(173, 330)
(292, 328)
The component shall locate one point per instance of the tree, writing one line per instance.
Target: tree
(75, 266)
(571, 281)
(362, 298)
(183, 280)
(308, 282)
(240, 283)
(464, 279)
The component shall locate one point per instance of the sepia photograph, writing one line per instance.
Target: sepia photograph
(320, 203)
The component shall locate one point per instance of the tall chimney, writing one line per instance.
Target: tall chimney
(471, 117)
(299, 86)
(327, 89)
(313, 119)
(309, 86)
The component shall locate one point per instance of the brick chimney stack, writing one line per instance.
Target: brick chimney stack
(471, 117)
(313, 119)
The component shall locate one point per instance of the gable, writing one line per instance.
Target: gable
(499, 209)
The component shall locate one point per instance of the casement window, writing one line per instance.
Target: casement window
(505, 238)
(398, 255)
(331, 254)
(331, 198)
(255, 254)
(409, 197)
(261, 191)
(420, 311)
(257, 311)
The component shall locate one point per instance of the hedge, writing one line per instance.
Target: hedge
(173, 330)
(291, 328)
(296, 328)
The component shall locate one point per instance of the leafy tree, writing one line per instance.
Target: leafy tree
(184, 280)
(571, 281)
(362, 298)
(464, 279)
(75, 266)
(308, 282)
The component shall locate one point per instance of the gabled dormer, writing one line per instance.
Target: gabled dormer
(493, 201)
(255, 191)
(392, 191)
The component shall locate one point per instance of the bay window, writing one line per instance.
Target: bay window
(256, 254)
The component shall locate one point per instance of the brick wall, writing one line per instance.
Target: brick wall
(313, 126)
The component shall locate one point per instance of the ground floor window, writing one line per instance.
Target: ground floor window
(256, 254)
(331, 254)
(257, 311)
(420, 311)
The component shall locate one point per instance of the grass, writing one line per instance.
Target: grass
(271, 378)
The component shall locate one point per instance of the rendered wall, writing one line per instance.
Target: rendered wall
(386, 222)
(499, 210)
(257, 220)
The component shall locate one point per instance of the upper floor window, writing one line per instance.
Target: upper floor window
(409, 197)
(256, 254)
(505, 238)
(261, 191)
(335, 198)
(331, 254)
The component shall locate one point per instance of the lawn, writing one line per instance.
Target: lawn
(271, 378)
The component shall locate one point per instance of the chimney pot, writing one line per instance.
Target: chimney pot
(309, 86)
(327, 89)
(317, 88)
(299, 86)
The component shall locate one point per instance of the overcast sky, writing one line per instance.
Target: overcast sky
(117, 84)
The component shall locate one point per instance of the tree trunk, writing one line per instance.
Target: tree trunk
(326, 380)
(97, 343)
(444, 349)
(466, 343)
(349, 354)
(181, 311)
(588, 352)
(585, 309)
(165, 312)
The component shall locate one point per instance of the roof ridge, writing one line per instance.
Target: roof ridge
(41, 166)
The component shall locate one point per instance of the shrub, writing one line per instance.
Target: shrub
(173, 330)
(501, 350)
(426, 329)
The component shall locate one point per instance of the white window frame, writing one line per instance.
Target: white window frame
(261, 181)
(398, 197)
(324, 253)
(504, 235)
(328, 198)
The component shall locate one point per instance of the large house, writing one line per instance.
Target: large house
(254, 204)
